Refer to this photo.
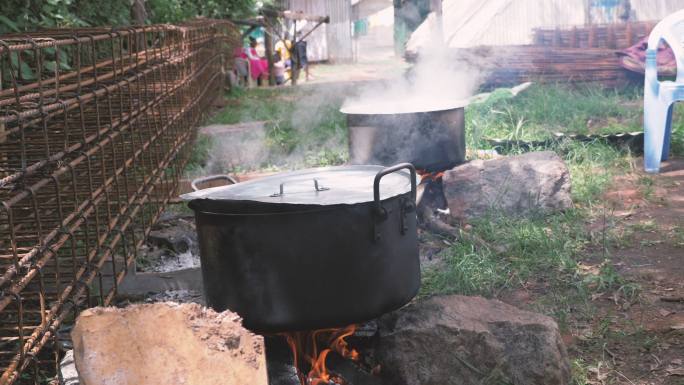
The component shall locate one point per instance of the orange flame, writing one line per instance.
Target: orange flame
(433, 176)
(339, 345)
(304, 346)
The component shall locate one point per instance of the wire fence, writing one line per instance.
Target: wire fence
(611, 36)
(95, 126)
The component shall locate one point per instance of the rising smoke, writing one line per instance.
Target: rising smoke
(307, 130)
(439, 80)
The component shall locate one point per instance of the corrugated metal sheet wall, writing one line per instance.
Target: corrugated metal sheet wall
(317, 42)
(332, 41)
(339, 30)
(469, 23)
(647, 10)
(511, 24)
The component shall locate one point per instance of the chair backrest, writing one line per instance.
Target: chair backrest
(671, 31)
(242, 66)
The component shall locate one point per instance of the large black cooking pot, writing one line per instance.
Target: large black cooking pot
(310, 249)
(431, 137)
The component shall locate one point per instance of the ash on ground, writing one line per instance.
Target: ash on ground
(172, 245)
(180, 296)
(173, 262)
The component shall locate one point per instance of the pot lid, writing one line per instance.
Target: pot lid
(316, 186)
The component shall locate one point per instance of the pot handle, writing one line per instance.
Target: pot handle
(194, 183)
(317, 187)
(376, 185)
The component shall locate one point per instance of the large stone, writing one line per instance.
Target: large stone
(536, 181)
(470, 340)
(166, 343)
(175, 234)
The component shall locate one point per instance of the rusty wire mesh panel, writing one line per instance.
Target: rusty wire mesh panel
(94, 132)
(611, 36)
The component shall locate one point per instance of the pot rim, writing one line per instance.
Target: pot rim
(322, 186)
(263, 214)
(297, 208)
(358, 109)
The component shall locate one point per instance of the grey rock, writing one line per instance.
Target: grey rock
(172, 245)
(470, 340)
(177, 235)
(169, 216)
(146, 283)
(67, 369)
(536, 181)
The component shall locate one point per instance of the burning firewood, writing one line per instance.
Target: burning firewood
(307, 356)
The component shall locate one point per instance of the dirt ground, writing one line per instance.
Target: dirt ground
(632, 333)
(636, 335)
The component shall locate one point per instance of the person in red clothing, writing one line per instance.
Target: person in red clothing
(258, 66)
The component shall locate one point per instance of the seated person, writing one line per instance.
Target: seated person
(282, 48)
(278, 69)
(258, 66)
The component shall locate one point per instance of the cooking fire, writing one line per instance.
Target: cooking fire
(430, 176)
(308, 356)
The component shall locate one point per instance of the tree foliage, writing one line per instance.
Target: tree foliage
(30, 15)
(173, 11)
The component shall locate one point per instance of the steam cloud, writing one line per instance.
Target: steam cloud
(253, 145)
(438, 81)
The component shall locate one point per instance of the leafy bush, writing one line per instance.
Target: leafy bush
(30, 15)
(21, 15)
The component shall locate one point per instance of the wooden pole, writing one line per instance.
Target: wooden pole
(314, 28)
(138, 12)
(268, 43)
(293, 56)
(268, 18)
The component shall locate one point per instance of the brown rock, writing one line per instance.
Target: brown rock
(166, 343)
(536, 181)
(470, 340)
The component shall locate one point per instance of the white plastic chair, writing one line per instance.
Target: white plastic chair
(659, 97)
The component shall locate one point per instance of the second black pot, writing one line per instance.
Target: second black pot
(430, 140)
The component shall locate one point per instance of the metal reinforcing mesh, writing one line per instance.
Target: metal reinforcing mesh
(95, 126)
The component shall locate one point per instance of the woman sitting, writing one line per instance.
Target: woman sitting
(258, 66)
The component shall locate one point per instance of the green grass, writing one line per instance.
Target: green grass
(646, 186)
(543, 247)
(593, 166)
(256, 104)
(580, 372)
(678, 130)
(543, 110)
